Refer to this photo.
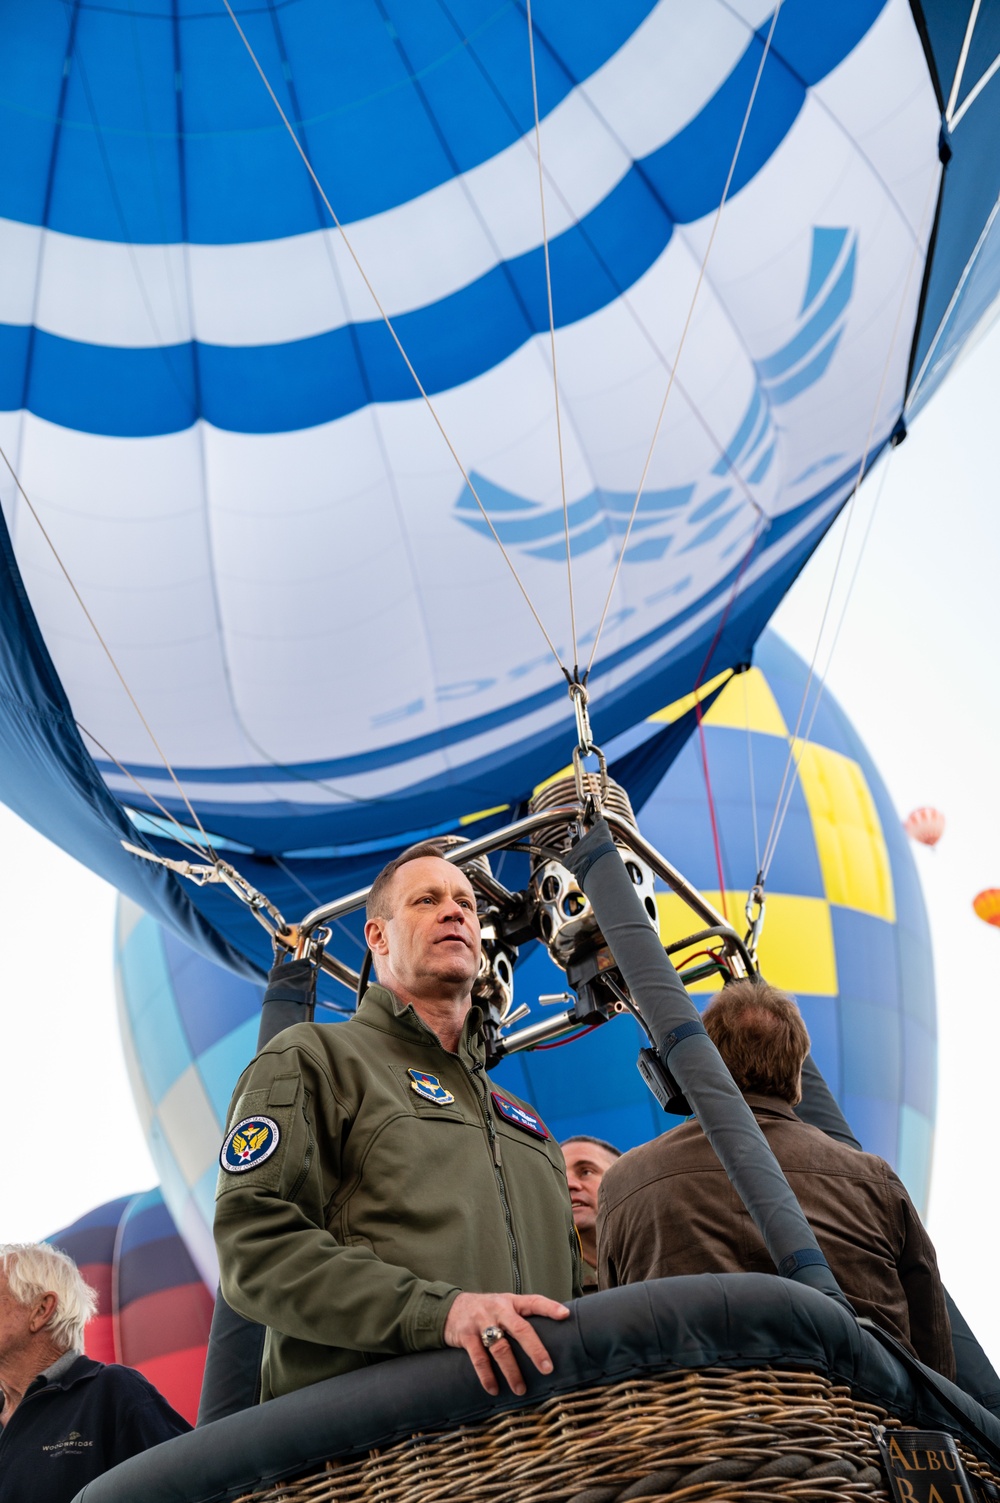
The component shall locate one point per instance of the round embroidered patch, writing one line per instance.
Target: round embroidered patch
(249, 1143)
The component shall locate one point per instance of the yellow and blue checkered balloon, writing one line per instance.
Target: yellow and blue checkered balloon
(845, 931)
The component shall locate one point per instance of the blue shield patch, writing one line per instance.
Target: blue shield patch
(248, 1144)
(429, 1087)
(519, 1116)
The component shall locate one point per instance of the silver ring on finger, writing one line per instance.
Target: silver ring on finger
(490, 1335)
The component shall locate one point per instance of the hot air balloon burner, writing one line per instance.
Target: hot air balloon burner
(564, 919)
(493, 988)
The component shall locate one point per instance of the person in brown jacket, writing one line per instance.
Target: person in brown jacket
(668, 1208)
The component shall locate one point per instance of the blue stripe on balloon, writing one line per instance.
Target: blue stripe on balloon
(94, 1244)
(725, 461)
(155, 1268)
(582, 542)
(813, 330)
(808, 375)
(376, 85)
(147, 1220)
(377, 94)
(432, 741)
(762, 466)
(479, 783)
(827, 245)
(134, 393)
(710, 530)
(691, 169)
(544, 523)
(280, 388)
(647, 549)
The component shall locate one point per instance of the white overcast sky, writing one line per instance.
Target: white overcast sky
(914, 668)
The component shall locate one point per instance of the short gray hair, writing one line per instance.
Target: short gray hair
(34, 1269)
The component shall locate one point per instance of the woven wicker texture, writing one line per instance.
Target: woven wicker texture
(757, 1435)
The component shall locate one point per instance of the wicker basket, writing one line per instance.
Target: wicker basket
(710, 1434)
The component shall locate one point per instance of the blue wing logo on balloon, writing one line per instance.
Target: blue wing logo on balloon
(691, 516)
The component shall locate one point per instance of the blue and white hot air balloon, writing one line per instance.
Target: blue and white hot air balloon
(846, 931)
(206, 410)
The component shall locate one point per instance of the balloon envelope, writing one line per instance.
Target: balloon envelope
(845, 931)
(987, 906)
(154, 1311)
(925, 825)
(229, 454)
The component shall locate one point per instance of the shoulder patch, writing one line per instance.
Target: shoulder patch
(519, 1116)
(248, 1144)
(429, 1087)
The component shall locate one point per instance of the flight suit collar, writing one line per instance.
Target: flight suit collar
(381, 1008)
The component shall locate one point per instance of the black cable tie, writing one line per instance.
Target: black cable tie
(808, 1257)
(682, 1031)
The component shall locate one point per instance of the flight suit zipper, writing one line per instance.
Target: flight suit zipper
(301, 1176)
(478, 1075)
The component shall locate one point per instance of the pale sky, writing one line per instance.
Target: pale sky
(912, 671)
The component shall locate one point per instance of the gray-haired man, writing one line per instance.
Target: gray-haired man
(65, 1418)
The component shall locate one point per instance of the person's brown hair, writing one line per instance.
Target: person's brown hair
(377, 905)
(760, 1034)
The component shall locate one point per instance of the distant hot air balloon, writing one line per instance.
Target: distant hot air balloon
(925, 825)
(987, 906)
(153, 1309)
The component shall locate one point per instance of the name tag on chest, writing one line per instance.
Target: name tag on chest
(519, 1116)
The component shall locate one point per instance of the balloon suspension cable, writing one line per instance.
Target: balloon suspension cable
(684, 334)
(642, 329)
(110, 657)
(221, 872)
(750, 770)
(552, 331)
(287, 939)
(349, 247)
(963, 58)
(985, 238)
(591, 789)
(170, 818)
(796, 747)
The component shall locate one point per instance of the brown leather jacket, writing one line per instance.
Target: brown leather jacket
(667, 1208)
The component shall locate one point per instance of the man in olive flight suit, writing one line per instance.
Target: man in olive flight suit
(377, 1193)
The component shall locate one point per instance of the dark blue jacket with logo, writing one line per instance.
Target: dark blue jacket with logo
(76, 1424)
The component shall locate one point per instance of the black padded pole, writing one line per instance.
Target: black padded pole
(693, 1060)
(235, 1344)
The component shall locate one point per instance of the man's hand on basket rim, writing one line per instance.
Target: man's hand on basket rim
(472, 1314)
